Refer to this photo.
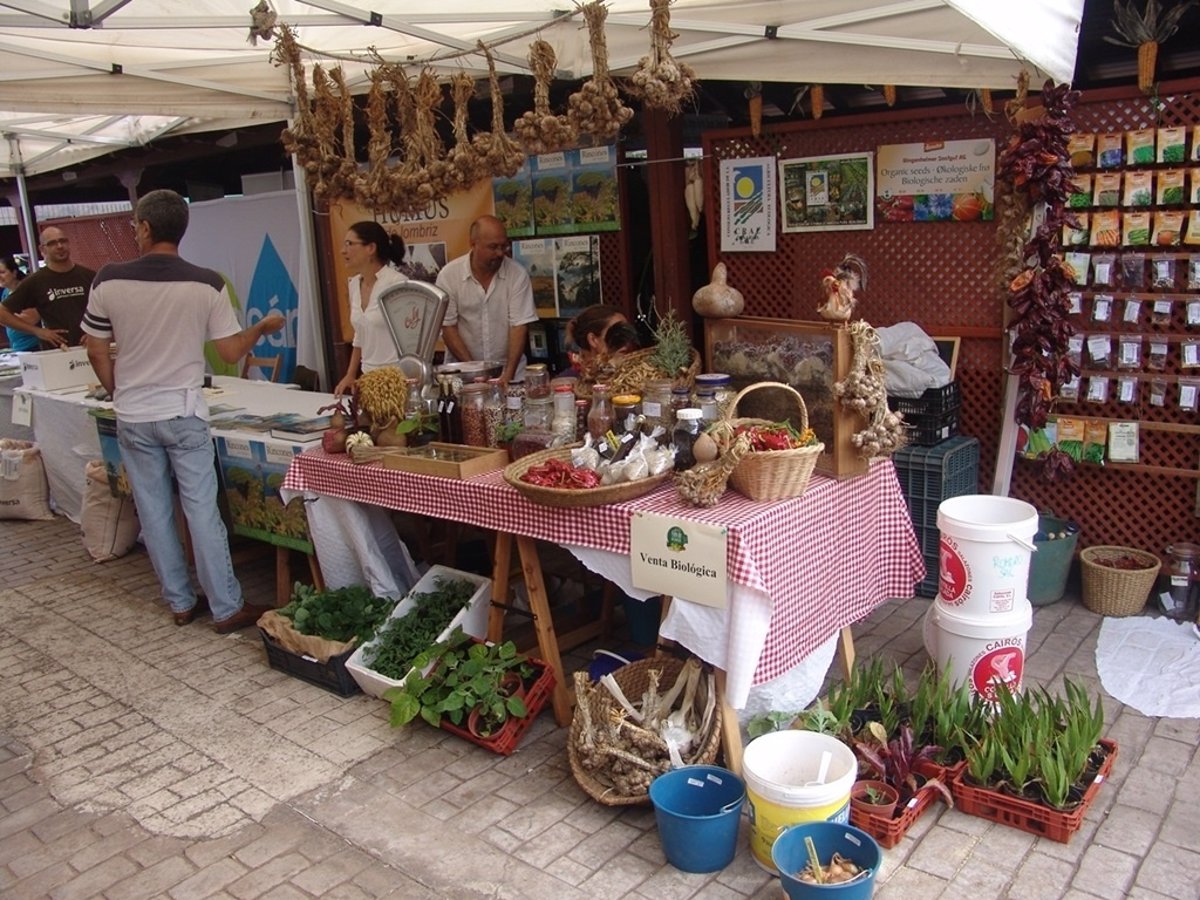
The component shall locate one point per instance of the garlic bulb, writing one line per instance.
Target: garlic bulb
(717, 299)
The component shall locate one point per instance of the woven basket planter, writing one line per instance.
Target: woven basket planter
(1110, 591)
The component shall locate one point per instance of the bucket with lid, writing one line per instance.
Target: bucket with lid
(984, 550)
(791, 777)
(790, 854)
(982, 651)
(697, 809)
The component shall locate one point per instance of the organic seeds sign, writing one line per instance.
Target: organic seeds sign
(937, 181)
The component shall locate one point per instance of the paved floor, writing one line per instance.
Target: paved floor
(138, 759)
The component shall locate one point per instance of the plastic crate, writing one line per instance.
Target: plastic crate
(888, 832)
(1043, 821)
(505, 740)
(928, 586)
(926, 431)
(934, 402)
(331, 675)
(948, 469)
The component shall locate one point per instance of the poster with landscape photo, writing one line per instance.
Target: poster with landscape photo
(577, 262)
(828, 193)
(537, 256)
(595, 200)
(513, 200)
(552, 194)
(422, 262)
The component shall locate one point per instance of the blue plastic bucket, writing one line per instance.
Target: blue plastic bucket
(790, 856)
(697, 809)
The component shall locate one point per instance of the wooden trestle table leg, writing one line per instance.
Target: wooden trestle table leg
(847, 644)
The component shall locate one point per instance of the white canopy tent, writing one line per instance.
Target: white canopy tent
(79, 79)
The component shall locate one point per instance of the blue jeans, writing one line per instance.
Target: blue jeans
(151, 452)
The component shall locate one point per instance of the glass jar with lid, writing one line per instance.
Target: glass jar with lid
(472, 404)
(681, 398)
(1183, 581)
(537, 380)
(562, 424)
(600, 414)
(656, 404)
(539, 412)
(720, 386)
(687, 429)
(627, 408)
(514, 402)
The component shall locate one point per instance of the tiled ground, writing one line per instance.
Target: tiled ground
(138, 759)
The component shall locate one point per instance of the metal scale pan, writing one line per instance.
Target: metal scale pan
(414, 311)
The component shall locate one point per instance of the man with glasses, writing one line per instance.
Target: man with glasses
(58, 291)
(491, 302)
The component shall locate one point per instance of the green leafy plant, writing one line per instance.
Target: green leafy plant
(1054, 777)
(672, 345)
(337, 614)
(506, 432)
(403, 638)
(765, 723)
(982, 759)
(894, 761)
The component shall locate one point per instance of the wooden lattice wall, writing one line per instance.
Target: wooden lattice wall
(942, 276)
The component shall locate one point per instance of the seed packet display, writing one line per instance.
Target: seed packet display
(1160, 311)
(1139, 146)
(1139, 189)
(1095, 440)
(1189, 395)
(1081, 192)
(1079, 234)
(1194, 186)
(1171, 144)
(1080, 264)
(1158, 392)
(1102, 308)
(1194, 156)
(1127, 389)
(1070, 436)
(1133, 310)
(1169, 185)
(1129, 351)
(1106, 228)
(1132, 274)
(1109, 153)
(1097, 389)
(1099, 350)
(1168, 228)
(1156, 358)
(1106, 190)
(1193, 276)
(1135, 229)
(1082, 150)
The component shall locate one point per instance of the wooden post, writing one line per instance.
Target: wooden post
(669, 222)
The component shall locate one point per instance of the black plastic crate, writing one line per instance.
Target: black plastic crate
(331, 675)
(928, 586)
(934, 402)
(926, 431)
(930, 540)
(947, 469)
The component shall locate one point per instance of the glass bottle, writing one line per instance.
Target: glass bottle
(706, 400)
(1183, 563)
(563, 421)
(449, 415)
(600, 414)
(414, 412)
(581, 413)
(627, 408)
(687, 429)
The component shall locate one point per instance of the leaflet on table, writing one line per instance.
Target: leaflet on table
(243, 421)
(303, 430)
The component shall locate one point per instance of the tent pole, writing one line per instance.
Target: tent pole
(28, 243)
(310, 333)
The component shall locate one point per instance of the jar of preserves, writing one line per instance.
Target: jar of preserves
(472, 404)
(537, 380)
(656, 404)
(600, 414)
(720, 386)
(563, 422)
(687, 429)
(627, 408)
(1183, 576)
(493, 411)
(514, 402)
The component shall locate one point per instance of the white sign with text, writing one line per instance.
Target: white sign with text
(679, 558)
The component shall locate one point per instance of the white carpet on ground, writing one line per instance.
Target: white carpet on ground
(1151, 664)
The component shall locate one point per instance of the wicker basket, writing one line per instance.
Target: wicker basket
(770, 474)
(1117, 592)
(633, 679)
(573, 499)
(628, 373)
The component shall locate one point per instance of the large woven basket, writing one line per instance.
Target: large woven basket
(1117, 592)
(633, 679)
(569, 498)
(770, 474)
(628, 373)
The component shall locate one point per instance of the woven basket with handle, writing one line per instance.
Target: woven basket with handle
(1110, 591)
(769, 474)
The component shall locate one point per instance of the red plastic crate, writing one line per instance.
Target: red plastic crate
(1053, 824)
(506, 739)
(888, 832)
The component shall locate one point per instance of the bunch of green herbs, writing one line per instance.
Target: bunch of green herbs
(406, 637)
(337, 614)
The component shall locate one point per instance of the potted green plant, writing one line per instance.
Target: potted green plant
(874, 798)
(894, 761)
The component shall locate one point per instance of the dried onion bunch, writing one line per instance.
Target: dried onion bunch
(864, 391)
(662, 82)
(596, 108)
(540, 130)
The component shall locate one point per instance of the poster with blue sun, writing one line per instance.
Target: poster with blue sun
(748, 204)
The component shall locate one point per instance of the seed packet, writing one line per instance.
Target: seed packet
(1168, 228)
(1139, 189)
(1095, 436)
(1160, 311)
(1156, 359)
(1139, 147)
(1104, 272)
(1133, 271)
(1194, 181)
(1106, 190)
(1193, 313)
(1099, 349)
(1081, 192)
(1082, 150)
(1189, 393)
(1106, 228)
(1075, 349)
(1170, 187)
(1108, 151)
(1071, 433)
(1163, 273)
(1129, 351)
(1102, 305)
(1075, 303)
(1192, 236)
(1127, 389)
(1193, 276)
(1135, 229)
(1079, 264)
(1079, 234)
(1158, 392)
(1190, 354)
(1195, 154)
(1133, 310)
(1171, 142)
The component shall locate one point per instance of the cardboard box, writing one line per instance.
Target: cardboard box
(444, 460)
(50, 370)
(251, 472)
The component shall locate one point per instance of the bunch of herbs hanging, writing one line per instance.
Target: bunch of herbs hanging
(1037, 165)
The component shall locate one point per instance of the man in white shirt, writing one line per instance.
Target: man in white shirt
(160, 309)
(491, 301)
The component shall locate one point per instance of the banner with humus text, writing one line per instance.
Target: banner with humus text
(679, 558)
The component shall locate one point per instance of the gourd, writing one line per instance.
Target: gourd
(717, 299)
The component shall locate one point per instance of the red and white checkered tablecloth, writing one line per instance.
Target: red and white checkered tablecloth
(825, 559)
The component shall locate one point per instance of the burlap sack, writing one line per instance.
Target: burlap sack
(24, 493)
(279, 629)
(110, 524)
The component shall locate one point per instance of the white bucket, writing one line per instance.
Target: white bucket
(983, 566)
(981, 651)
(795, 776)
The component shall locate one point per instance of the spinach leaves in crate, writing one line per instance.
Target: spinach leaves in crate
(337, 614)
(406, 637)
